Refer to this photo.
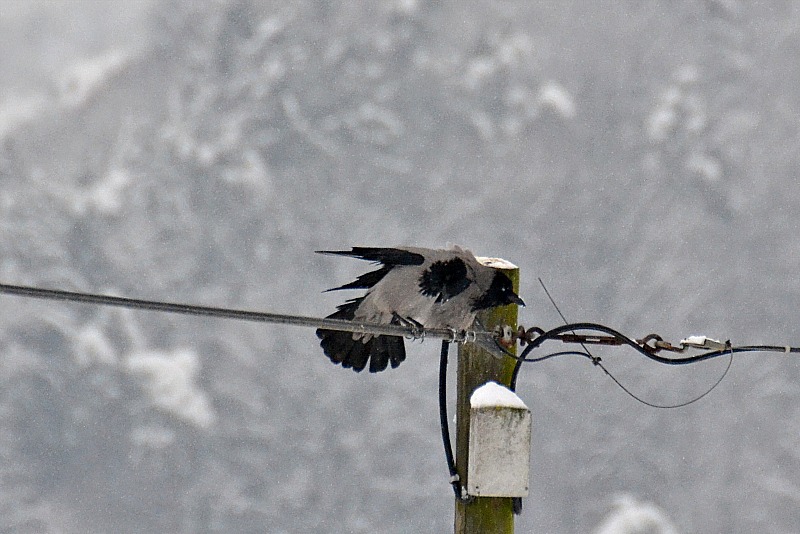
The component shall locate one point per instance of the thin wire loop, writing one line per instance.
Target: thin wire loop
(669, 406)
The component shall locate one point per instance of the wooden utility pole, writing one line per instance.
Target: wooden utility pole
(476, 366)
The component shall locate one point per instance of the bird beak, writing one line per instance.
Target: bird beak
(516, 300)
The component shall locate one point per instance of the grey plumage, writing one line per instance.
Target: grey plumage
(432, 288)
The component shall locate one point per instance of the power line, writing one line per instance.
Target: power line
(245, 315)
(649, 346)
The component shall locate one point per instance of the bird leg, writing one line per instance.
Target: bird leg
(417, 328)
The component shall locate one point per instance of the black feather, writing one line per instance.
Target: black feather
(379, 359)
(366, 281)
(351, 353)
(397, 350)
(444, 279)
(358, 356)
(386, 256)
(388, 349)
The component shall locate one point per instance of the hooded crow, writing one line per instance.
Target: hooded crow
(424, 287)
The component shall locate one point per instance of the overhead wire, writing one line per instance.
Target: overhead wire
(533, 338)
(242, 315)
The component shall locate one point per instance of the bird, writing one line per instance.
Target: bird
(414, 287)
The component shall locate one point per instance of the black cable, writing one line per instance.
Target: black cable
(518, 365)
(512, 385)
(648, 353)
(625, 340)
(686, 360)
(455, 480)
(445, 423)
(586, 352)
(562, 353)
(670, 361)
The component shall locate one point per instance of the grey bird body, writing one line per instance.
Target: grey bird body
(432, 288)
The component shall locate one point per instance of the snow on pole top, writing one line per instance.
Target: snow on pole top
(497, 263)
(493, 395)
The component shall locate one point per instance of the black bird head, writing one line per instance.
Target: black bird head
(500, 293)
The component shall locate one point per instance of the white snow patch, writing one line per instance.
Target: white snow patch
(632, 516)
(81, 81)
(479, 70)
(515, 49)
(170, 381)
(152, 437)
(496, 263)
(252, 172)
(374, 124)
(93, 347)
(680, 107)
(269, 28)
(661, 123)
(106, 194)
(406, 7)
(17, 110)
(492, 394)
(695, 110)
(708, 168)
(554, 96)
(687, 74)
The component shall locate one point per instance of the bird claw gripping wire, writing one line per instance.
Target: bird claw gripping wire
(416, 330)
(463, 336)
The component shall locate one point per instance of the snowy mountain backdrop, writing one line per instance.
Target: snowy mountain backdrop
(640, 157)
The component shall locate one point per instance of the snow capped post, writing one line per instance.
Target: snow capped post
(499, 443)
(476, 367)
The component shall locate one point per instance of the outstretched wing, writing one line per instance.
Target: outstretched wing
(386, 256)
(389, 257)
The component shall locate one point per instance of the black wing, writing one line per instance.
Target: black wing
(389, 257)
(386, 256)
(343, 349)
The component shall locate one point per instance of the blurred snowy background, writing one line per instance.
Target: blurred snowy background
(641, 157)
